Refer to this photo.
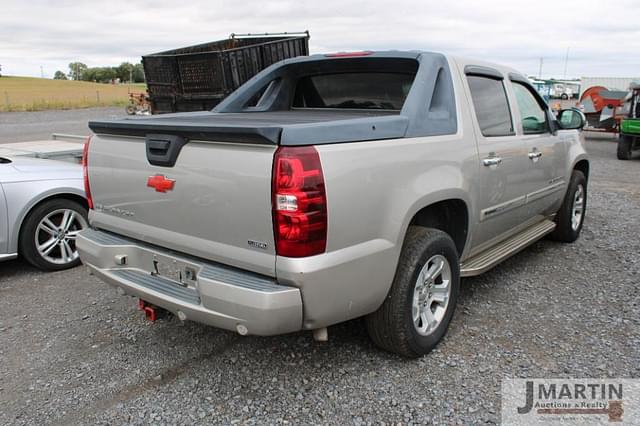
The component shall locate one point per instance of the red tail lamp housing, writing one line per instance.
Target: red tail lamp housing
(85, 172)
(299, 202)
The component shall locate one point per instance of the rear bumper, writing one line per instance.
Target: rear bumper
(219, 296)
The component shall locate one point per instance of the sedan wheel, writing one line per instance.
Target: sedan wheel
(56, 234)
(48, 234)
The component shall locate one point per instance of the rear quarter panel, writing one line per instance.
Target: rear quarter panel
(374, 189)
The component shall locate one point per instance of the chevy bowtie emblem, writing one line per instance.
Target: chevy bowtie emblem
(160, 183)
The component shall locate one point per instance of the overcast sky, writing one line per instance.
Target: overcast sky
(603, 37)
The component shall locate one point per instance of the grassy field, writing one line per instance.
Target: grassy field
(36, 94)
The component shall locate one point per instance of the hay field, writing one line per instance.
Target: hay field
(36, 94)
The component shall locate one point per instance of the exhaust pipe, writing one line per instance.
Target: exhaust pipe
(321, 334)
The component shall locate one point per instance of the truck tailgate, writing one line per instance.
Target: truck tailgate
(218, 206)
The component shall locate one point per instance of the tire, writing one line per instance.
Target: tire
(392, 326)
(60, 253)
(624, 147)
(564, 97)
(568, 221)
(130, 109)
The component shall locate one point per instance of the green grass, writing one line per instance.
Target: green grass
(37, 94)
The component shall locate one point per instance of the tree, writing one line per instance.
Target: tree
(138, 73)
(106, 74)
(99, 74)
(76, 69)
(125, 72)
(59, 75)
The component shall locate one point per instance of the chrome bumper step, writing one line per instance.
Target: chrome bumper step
(486, 260)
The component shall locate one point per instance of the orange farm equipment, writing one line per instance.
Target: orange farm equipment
(603, 108)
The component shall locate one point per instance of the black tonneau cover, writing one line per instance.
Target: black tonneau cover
(260, 127)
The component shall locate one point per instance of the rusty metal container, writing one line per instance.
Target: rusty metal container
(197, 78)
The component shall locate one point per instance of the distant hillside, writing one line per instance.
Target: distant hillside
(35, 94)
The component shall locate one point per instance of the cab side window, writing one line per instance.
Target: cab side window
(533, 117)
(491, 105)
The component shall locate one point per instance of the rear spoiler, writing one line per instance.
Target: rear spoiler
(267, 135)
(253, 128)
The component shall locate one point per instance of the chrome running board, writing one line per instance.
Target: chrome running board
(489, 258)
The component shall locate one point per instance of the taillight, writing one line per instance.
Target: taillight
(299, 202)
(85, 172)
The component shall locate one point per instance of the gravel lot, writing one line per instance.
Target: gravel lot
(74, 352)
(20, 126)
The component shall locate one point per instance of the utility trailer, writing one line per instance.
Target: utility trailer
(197, 78)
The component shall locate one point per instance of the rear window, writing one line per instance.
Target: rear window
(491, 105)
(358, 90)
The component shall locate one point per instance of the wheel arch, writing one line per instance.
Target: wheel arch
(583, 166)
(72, 194)
(449, 215)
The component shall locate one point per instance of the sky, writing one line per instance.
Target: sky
(601, 38)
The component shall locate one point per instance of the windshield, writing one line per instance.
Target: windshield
(357, 90)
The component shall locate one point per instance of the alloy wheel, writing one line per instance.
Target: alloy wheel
(431, 294)
(56, 234)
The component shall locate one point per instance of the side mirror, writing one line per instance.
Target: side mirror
(570, 119)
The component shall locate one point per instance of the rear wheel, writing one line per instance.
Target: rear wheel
(570, 217)
(624, 147)
(419, 307)
(48, 234)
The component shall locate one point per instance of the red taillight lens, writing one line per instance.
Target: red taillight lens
(299, 202)
(85, 172)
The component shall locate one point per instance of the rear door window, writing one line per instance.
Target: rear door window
(491, 105)
(356, 90)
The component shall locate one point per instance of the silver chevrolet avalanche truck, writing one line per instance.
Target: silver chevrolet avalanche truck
(333, 187)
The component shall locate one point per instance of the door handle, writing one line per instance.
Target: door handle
(491, 161)
(534, 155)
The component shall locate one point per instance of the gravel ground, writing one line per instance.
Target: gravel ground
(39, 125)
(74, 352)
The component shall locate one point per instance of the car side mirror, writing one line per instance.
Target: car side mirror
(571, 119)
